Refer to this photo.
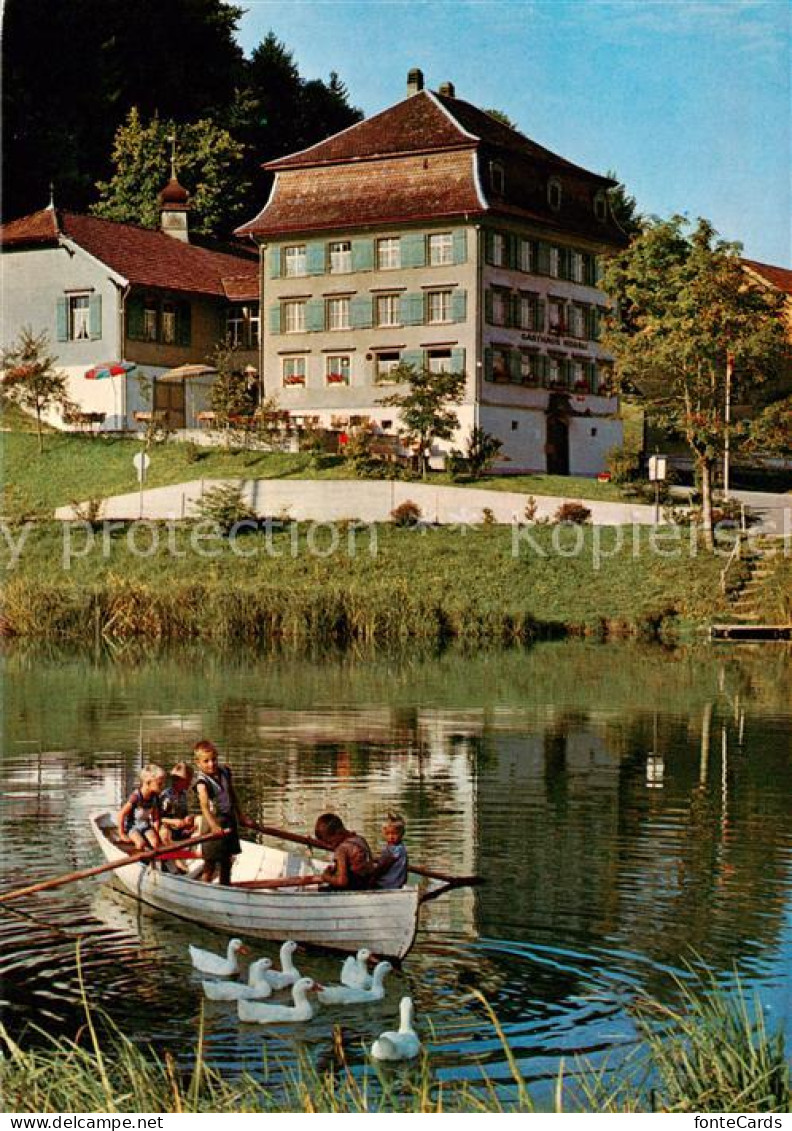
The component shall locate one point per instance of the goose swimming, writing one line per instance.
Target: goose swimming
(351, 995)
(405, 1044)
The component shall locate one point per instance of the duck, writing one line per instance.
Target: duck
(355, 972)
(263, 1013)
(354, 995)
(402, 1045)
(214, 964)
(288, 975)
(256, 987)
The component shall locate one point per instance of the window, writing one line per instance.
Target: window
(528, 366)
(337, 369)
(441, 249)
(340, 257)
(242, 325)
(338, 313)
(557, 321)
(150, 321)
(254, 321)
(388, 310)
(498, 249)
(577, 322)
(515, 424)
(389, 253)
(500, 307)
(294, 260)
(438, 306)
(601, 206)
(79, 318)
(497, 178)
(577, 272)
(294, 317)
(439, 361)
(554, 193)
(168, 323)
(386, 362)
(500, 364)
(294, 371)
(555, 262)
(527, 309)
(526, 254)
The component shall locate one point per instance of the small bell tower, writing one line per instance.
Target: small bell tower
(174, 203)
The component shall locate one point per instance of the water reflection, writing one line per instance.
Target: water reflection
(628, 807)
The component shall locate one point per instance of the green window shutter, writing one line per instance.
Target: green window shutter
(489, 246)
(595, 323)
(275, 318)
(62, 320)
(542, 258)
(362, 255)
(488, 306)
(598, 269)
(458, 306)
(589, 269)
(512, 252)
(184, 324)
(515, 306)
(275, 262)
(515, 366)
(458, 360)
(412, 357)
(543, 367)
(360, 312)
(315, 314)
(488, 363)
(412, 309)
(134, 313)
(564, 263)
(413, 250)
(95, 317)
(460, 246)
(315, 258)
(540, 316)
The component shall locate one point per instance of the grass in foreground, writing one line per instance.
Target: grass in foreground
(711, 1054)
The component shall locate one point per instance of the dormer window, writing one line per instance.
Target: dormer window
(497, 178)
(554, 193)
(601, 206)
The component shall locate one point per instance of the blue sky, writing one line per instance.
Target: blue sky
(688, 101)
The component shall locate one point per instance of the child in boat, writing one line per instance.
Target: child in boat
(177, 824)
(390, 870)
(139, 818)
(353, 863)
(220, 810)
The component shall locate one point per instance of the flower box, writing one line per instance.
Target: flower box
(337, 379)
(294, 380)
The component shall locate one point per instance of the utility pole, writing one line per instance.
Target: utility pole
(727, 425)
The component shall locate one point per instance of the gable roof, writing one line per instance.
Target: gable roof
(778, 277)
(143, 256)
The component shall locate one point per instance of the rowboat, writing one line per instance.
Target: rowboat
(384, 922)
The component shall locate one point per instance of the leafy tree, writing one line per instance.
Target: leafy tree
(426, 411)
(480, 453)
(209, 165)
(502, 117)
(683, 307)
(771, 432)
(31, 380)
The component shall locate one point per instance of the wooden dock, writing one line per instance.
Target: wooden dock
(751, 632)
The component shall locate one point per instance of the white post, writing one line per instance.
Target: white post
(727, 426)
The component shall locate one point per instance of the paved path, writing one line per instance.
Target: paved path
(773, 510)
(328, 500)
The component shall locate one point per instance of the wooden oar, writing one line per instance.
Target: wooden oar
(134, 858)
(417, 869)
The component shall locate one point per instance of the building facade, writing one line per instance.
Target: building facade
(434, 235)
(106, 292)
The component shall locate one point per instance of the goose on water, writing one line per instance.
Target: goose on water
(402, 1045)
(355, 971)
(256, 987)
(215, 964)
(288, 975)
(263, 1013)
(351, 995)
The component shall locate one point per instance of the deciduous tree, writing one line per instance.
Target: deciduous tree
(31, 380)
(426, 410)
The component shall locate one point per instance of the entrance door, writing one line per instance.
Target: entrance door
(169, 399)
(557, 446)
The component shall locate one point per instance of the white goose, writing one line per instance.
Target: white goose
(351, 995)
(288, 975)
(402, 1045)
(355, 971)
(256, 987)
(215, 964)
(265, 1014)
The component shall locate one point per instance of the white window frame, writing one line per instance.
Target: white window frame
(577, 322)
(338, 363)
(388, 310)
(340, 257)
(438, 307)
(441, 249)
(295, 261)
(338, 313)
(527, 367)
(79, 317)
(254, 316)
(577, 267)
(150, 322)
(526, 256)
(293, 319)
(235, 324)
(498, 249)
(527, 311)
(295, 366)
(555, 262)
(388, 253)
(556, 316)
(500, 306)
(385, 362)
(500, 354)
(168, 324)
(439, 361)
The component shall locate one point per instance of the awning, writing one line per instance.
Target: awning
(187, 372)
(109, 369)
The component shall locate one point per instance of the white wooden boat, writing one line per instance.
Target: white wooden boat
(385, 922)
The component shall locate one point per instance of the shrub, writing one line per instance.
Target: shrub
(90, 511)
(192, 453)
(225, 505)
(482, 451)
(531, 507)
(488, 517)
(407, 513)
(573, 512)
(624, 463)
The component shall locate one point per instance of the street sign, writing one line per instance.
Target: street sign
(142, 463)
(657, 468)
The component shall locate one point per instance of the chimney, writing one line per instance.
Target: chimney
(447, 88)
(415, 81)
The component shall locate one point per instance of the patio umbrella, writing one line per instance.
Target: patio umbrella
(109, 369)
(183, 372)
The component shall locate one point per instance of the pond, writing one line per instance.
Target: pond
(629, 807)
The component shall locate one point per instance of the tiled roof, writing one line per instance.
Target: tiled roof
(145, 257)
(778, 277)
(242, 288)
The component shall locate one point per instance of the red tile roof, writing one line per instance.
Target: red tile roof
(242, 288)
(778, 277)
(145, 257)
